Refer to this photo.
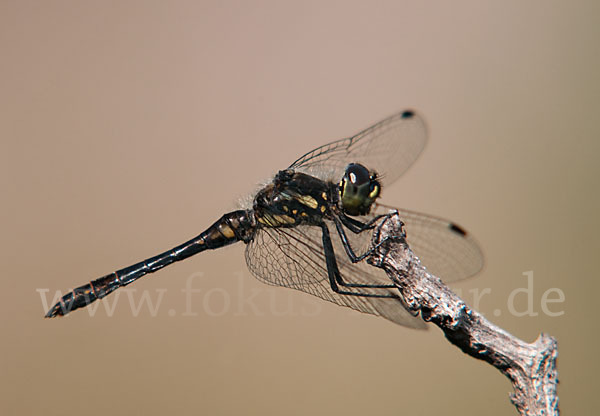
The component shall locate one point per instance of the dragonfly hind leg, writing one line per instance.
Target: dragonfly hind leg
(335, 278)
(357, 227)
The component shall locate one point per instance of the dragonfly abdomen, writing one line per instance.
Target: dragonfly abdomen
(230, 228)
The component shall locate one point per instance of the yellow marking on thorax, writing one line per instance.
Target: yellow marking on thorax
(266, 220)
(324, 196)
(308, 200)
(284, 219)
(275, 220)
(322, 208)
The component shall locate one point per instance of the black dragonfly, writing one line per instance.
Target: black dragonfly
(310, 228)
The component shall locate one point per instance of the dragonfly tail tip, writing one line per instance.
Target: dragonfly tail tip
(54, 312)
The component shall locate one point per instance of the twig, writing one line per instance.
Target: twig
(530, 367)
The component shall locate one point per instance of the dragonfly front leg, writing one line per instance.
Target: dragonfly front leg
(344, 220)
(335, 278)
(357, 226)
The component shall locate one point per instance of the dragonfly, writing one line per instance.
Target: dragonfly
(309, 229)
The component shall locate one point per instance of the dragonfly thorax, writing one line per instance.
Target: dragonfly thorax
(358, 189)
(292, 199)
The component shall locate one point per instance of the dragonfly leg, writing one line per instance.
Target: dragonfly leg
(357, 226)
(355, 259)
(335, 277)
(346, 243)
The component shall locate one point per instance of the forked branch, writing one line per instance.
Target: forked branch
(530, 367)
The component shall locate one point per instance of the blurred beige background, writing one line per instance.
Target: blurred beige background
(129, 127)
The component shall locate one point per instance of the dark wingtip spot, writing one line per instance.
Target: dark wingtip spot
(457, 229)
(408, 114)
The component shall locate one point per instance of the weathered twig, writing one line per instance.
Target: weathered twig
(530, 367)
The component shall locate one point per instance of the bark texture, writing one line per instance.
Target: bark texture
(530, 367)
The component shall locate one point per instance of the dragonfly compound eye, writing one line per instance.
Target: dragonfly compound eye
(358, 189)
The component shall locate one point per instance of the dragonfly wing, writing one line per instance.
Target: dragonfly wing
(444, 248)
(294, 258)
(389, 147)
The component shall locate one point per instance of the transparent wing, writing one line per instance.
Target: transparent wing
(388, 147)
(444, 248)
(294, 258)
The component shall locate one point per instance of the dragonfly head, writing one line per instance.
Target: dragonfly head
(358, 189)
